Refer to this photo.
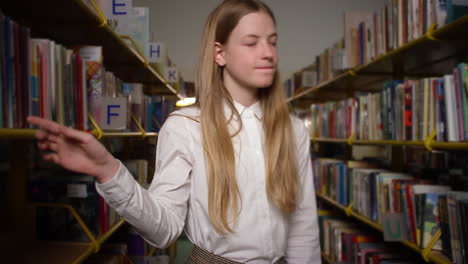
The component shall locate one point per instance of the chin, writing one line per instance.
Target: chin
(264, 84)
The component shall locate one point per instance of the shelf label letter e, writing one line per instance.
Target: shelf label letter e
(120, 7)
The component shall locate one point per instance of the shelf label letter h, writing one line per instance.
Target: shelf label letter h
(156, 52)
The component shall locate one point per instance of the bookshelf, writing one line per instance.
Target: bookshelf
(69, 23)
(17, 240)
(84, 26)
(432, 256)
(62, 252)
(431, 54)
(434, 53)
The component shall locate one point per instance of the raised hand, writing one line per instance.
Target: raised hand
(74, 150)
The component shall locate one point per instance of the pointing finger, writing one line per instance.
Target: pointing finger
(45, 124)
(76, 134)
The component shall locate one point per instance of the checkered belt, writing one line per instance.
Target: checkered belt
(201, 256)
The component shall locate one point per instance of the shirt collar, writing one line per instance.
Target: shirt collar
(256, 109)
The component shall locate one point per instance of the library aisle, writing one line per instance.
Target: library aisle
(383, 95)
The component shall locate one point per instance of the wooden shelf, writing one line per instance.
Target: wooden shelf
(73, 23)
(433, 256)
(422, 57)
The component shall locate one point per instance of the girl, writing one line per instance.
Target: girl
(234, 170)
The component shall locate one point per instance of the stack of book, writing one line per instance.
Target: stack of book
(345, 242)
(404, 110)
(43, 78)
(370, 35)
(428, 205)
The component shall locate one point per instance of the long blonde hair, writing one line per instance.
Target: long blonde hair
(211, 94)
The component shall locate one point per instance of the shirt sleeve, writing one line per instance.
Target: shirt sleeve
(303, 236)
(158, 213)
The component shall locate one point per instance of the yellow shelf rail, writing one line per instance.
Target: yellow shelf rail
(326, 258)
(26, 133)
(17, 133)
(427, 253)
(6, 133)
(95, 243)
(142, 130)
(432, 144)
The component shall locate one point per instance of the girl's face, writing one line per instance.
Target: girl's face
(250, 56)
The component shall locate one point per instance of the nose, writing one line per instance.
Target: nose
(268, 51)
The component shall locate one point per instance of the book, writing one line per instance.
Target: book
(462, 75)
(411, 192)
(352, 21)
(321, 222)
(362, 248)
(431, 220)
(93, 60)
(455, 223)
(338, 242)
(456, 9)
(382, 180)
(444, 225)
(452, 124)
(462, 216)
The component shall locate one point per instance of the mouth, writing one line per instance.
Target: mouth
(265, 68)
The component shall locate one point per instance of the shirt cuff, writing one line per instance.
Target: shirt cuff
(119, 188)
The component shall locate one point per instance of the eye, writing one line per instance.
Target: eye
(251, 44)
(273, 43)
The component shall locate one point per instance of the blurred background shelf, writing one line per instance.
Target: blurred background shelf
(83, 26)
(433, 54)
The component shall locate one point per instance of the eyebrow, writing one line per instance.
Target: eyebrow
(256, 36)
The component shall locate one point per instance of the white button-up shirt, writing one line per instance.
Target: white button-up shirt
(178, 195)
